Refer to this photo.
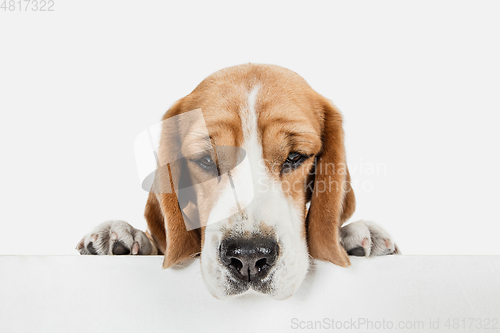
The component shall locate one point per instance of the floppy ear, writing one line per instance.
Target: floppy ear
(181, 243)
(332, 200)
(349, 203)
(163, 214)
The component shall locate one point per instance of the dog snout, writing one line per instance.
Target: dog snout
(249, 259)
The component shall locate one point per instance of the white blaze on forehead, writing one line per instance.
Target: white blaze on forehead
(249, 117)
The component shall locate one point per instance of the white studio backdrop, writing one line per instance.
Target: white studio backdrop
(418, 84)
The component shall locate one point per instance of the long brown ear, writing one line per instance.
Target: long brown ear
(332, 200)
(181, 243)
(349, 204)
(163, 206)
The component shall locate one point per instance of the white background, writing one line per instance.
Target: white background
(418, 83)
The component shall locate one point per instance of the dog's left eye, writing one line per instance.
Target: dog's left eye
(293, 161)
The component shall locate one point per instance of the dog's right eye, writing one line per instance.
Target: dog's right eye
(206, 163)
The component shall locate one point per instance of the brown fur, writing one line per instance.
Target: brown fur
(156, 225)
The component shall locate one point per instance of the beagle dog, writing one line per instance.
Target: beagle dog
(260, 221)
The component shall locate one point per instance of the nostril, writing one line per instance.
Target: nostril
(236, 264)
(261, 264)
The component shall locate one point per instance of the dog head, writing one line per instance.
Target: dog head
(273, 145)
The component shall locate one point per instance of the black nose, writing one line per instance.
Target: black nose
(249, 259)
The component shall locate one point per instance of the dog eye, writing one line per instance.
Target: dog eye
(294, 157)
(206, 163)
(293, 161)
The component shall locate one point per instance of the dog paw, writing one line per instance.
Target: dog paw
(115, 238)
(365, 238)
